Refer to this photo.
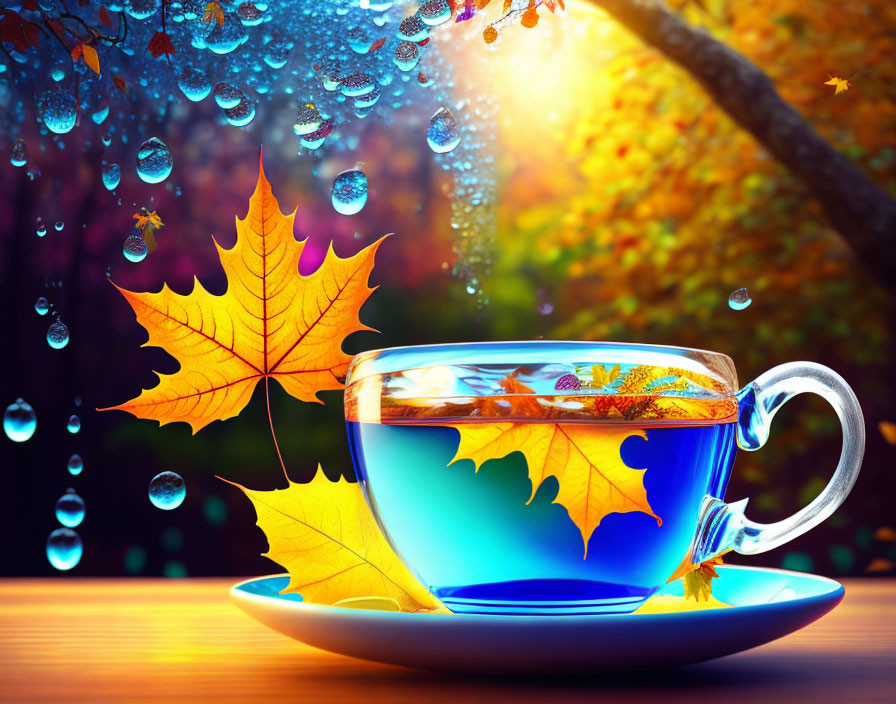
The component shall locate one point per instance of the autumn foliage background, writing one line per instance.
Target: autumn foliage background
(629, 207)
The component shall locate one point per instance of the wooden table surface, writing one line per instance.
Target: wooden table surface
(131, 640)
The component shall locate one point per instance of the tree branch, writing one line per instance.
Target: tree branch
(861, 212)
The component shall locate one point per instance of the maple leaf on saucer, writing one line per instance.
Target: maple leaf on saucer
(698, 582)
(585, 459)
(271, 323)
(325, 536)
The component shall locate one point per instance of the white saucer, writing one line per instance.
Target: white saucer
(765, 604)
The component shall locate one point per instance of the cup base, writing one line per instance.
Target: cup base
(544, 597)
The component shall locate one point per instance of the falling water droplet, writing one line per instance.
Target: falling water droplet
(59, 225)
(41, 305)
(57, 335)
(134, 248)
(308, 119)
(167, 491)
(227, 96)
(75, 465)
(70, 509)
(357, 84)
(154, 161)
(740, 299)
(58, 109)
(74, 424)
(242, 114)
(41, 228)
(19, 421)
(17, 157)
(194, 84)
(111, 176)
(407, 55)
(349, 192)
(434, 12)
(64, 548)
(442, 135)
(412, 29)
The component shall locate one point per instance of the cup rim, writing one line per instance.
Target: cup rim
(637, 371)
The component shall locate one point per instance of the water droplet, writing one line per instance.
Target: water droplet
(739, 300)
(227, 96)
(407, 55)
(75, 465)
(134, 248)
(434, 12)
(349, 192)
(99, 116)
(41, 305)
(57, 335)
(59, 225)
(412, 29)
(58, 109)
(357, 84)
(70, 509)
(19, 421)
(194, 84)
(111, 176)
(242, 114)
(64, 548)
(317, 138)
(154, 161)
(442, 135)
(545, 308)
(358, 40)
(308, 119)
(17, 157)
(167, 491)
(41, 228)
(74, 424)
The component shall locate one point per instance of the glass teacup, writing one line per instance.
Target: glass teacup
(569, 477)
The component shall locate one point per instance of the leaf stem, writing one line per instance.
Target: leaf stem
(267, 399)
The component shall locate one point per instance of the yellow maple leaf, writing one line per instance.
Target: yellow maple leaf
(601, 377)
(698, 582)
(593, 479)
(213, 13)
(271, 323)
(324, 535)
(841, 85)
(146, 219)
(88, 53)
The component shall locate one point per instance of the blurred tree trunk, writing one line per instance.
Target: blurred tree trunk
(860, 211)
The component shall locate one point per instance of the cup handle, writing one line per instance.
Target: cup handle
(724, 527)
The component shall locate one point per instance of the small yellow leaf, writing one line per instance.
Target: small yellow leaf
(325, 536)
(213, 13)
(841, 85)
(88, 53)
(593, 479)
(888, 431)
(698, 583)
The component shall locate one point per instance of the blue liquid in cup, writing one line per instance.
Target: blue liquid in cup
(474, 541)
